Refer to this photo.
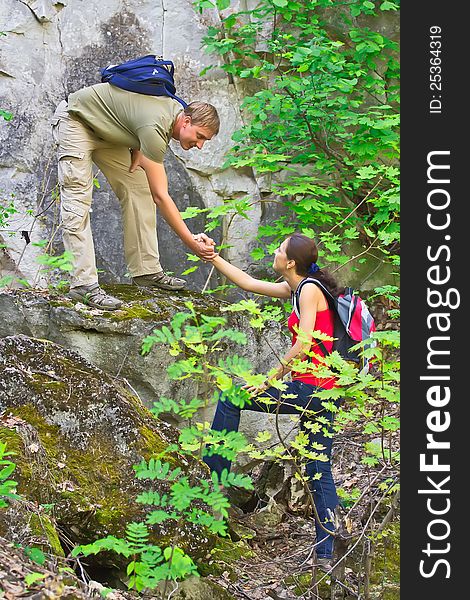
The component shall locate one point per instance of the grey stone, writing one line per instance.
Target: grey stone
(77, 433)
(197, 588)
(113, 342)
(52, 49)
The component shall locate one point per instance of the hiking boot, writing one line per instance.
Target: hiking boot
(324, 564)
(93, 295)
(159, 280)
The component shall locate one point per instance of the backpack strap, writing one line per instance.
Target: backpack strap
(295, 298)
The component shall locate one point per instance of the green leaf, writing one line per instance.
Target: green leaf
(159, 516)
(8, 116)
(36, 555)
(263, 436)
(389, 6)
(257, 254)
(190, 270)
(32, 578)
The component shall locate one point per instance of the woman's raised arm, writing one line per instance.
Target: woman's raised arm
(249, 283)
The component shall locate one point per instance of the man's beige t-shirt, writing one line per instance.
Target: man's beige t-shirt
(127, 118)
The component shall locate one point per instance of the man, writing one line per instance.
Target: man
(121, 131)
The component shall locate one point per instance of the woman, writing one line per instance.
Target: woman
(294, 260)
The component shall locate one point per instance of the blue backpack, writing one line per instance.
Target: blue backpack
(146, 75)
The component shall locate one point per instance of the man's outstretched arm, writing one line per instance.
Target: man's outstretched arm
(158, 184)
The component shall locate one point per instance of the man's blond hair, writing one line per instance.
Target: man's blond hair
(203, 114)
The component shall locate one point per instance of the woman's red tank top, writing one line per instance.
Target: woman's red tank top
(324, 322)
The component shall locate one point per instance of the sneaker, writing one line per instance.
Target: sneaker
(93, 295)
(159, 280)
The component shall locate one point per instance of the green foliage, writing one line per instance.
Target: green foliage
(35, 554)
(348, 497)
(63, 262)
(199, 338)
(260, 314)
(7, 485)
(196, 339)
(373, 399)
(4, 114)
(325, 116)
(7, 210)
(32, 578)
(150, 564)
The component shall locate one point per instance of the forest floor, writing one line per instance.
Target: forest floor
(279, 566)
(277, 545)
(283, 548)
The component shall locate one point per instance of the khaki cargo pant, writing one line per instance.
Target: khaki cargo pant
(78, 149)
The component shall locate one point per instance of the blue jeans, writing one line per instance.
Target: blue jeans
(227, 417)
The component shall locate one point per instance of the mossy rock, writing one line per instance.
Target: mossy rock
(198, 588)
(53, 579)
(77, 434)
(29, 526)
(223, 557)
(385, 577)
(112, 340)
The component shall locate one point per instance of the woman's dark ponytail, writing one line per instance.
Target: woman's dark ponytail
(304, 251)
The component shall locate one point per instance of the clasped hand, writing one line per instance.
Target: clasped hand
(206, 246)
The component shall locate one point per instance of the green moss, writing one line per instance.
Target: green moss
(61, 302)
(151, 444)
(161, 303)
(13, 441)
(223, 557)
(84, 471)
(29, 472)
(197, 588)
(385, 577)
(41, 525)
(81, 485)
(134, 311)
(127, 293)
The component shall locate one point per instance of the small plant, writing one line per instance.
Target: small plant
(7, 210)
(150, 564)
(7, 485)
(35, 554)
(5, 114)
(54, 266)
(189, 499)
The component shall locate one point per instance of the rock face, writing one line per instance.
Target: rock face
(77, 434)
(112, 341)
(54, 48)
